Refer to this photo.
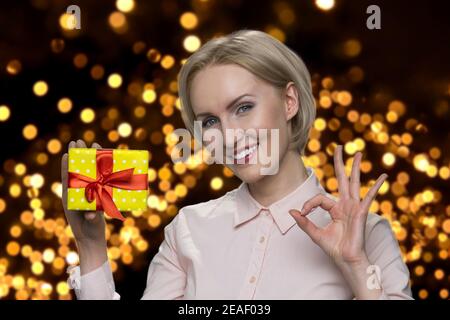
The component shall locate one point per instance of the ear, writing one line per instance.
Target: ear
(292, 103)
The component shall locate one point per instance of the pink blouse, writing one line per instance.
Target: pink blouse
(234, 248)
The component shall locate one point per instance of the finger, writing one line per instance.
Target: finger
(355, 177)
(318, 200)
(81, 144)
(95, 145)
(64, 176)
(373, 192)
(72, 144)
(306, 225)
(340, 172)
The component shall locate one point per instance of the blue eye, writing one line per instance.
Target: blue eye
(208, 122)
(244, 107)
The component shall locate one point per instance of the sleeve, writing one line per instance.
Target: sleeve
(166, 278)
(95, 285)
(386, 261)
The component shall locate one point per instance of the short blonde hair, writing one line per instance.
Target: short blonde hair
(265, 57)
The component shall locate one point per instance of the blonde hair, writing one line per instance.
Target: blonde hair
(265, 57)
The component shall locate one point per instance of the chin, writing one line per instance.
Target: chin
(249, 174)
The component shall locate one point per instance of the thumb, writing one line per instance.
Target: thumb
(306, 225)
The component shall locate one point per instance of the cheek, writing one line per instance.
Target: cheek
(276, 120)
(268, 116)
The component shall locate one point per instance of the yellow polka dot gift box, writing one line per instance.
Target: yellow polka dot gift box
(109, 180)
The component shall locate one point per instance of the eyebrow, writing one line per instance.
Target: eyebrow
(228, 106)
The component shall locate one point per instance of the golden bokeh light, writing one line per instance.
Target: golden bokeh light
(65, 105)
(4, 113)
(54, 146)
(189, 20)
(30, 131)
(388, 159)
(149, 96)
(87, 115)
(216, 183)
(117, 21)
(191, 43)
(115, 80)
(325, 4)
(40, 88)
(14, 67)
(125, 129)
(125, 5)
(167, 61)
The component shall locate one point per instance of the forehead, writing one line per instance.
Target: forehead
(215, 86)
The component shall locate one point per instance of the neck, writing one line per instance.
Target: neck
(271, 188)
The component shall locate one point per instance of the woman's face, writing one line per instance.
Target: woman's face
(230, 98)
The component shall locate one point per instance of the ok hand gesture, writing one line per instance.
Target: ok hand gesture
(343, 237)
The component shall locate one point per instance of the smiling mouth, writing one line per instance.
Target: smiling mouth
(244, 156)
(245, 153)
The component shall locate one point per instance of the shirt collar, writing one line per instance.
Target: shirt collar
(248, 207)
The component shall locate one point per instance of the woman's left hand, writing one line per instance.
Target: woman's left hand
(343, 237)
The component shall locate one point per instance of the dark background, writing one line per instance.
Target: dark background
(408, 60)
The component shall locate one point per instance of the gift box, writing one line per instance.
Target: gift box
(109, 180)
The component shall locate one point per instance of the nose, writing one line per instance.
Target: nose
(232, 135)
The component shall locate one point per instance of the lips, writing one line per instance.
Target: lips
(238, 155)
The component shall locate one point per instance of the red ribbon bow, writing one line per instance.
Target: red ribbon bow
(100, 189)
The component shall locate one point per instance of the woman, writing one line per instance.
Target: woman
(276, 236)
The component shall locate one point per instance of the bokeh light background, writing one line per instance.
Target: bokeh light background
(384, 92)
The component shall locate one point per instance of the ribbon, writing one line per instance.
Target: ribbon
(100, 189)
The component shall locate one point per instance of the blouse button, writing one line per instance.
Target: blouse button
(261, 240)
(252, 279)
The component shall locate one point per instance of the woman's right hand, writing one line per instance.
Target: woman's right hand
(88, 227)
